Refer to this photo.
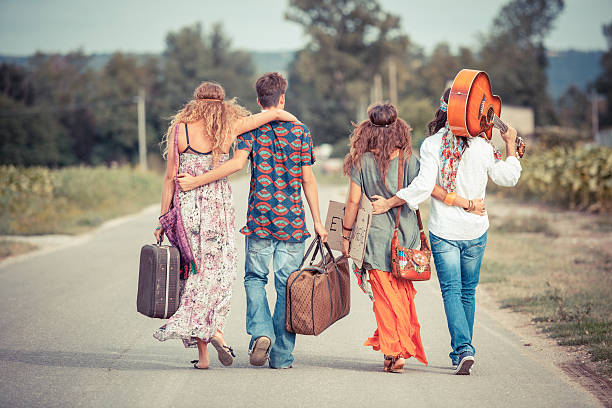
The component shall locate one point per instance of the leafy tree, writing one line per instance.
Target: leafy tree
(33, 138)
(30, 134)
(15, 83)
(437, 69)
(350, 41)
(603, 84)
(116, 137)
(574, 109)
(191, 58)
(515, 56)
(65, 85)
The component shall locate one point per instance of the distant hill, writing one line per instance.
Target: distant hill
(572, 67)
(565, 68)
(9, 59)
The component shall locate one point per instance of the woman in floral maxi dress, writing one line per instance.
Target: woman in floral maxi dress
(203, 132)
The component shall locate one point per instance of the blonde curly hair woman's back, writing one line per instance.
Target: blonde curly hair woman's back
(218, 117)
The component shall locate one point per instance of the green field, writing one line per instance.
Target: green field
(39, 200)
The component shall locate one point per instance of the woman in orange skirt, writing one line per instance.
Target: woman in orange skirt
(372, 164)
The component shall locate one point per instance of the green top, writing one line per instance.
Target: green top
(378, 247)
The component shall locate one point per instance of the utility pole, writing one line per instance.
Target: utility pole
(362, 110)
(393, 82)
(595, 115)
(142, 135)
(377, 93)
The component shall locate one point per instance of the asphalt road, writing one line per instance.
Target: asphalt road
(71, 337)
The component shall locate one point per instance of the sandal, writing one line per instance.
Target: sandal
(195, 365)
(394, 364)
(225, 353)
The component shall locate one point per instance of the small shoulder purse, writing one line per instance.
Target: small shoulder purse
(406, 263)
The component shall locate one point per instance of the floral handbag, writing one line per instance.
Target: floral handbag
(406, 263)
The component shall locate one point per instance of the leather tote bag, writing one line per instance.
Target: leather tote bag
(318, 295)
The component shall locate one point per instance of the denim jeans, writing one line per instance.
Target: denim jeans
(458, 267)
(286, 258)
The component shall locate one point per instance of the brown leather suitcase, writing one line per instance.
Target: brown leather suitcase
(159, 281)
(318, 295)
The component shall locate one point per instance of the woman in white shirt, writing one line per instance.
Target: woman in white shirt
(458, 237)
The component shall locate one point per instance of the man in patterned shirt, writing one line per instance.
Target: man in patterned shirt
(275, 232)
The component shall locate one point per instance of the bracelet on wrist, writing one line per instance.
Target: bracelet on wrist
(470, 206)
(450, 198)
(347, 238)
(346, 229)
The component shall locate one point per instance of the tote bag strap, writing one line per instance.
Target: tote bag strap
(400, 185)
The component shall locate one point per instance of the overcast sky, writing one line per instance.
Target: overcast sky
(141, 26)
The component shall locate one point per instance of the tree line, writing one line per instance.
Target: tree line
(58, 111)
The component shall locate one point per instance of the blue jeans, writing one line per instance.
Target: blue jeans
(458, 267)
(287, 258)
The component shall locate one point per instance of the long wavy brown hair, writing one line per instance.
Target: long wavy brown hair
(381, 134)
(209, 104)
(440, 117)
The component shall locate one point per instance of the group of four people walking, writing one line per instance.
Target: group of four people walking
(453, 170)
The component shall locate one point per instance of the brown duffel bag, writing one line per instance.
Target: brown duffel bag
(318, 295)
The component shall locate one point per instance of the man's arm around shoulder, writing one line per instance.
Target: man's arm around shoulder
(188, 182)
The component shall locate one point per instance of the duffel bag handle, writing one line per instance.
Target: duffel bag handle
(315, 242)
(319, 250)
(321, 245)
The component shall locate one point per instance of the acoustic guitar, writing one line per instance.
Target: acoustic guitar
(473, 110)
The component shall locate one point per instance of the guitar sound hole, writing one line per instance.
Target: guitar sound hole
(484, 125)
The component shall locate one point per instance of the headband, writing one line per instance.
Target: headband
(443, 105)
(385, 126)
(210, 100)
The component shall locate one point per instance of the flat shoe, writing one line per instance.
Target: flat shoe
(465, 366)
(225, 353)
(259, 351)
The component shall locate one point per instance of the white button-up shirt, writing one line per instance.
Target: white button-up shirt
(476, 166)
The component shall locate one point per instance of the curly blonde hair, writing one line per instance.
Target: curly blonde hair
(381, 134)
(218, 115)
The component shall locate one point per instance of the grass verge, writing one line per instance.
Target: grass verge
(71, 200)
(13, 248)
(551, 267)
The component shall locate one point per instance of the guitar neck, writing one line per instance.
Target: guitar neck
(498, 123)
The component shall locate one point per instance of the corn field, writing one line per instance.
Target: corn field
(578, 177)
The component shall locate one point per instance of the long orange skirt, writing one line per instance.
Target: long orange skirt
(398, 332)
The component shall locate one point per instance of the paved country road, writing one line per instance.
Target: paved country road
(71, 337)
